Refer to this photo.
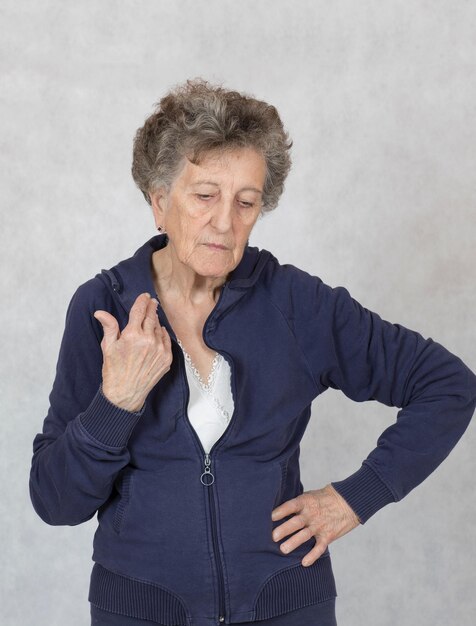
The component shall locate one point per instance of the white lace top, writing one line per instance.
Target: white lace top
(211, 404)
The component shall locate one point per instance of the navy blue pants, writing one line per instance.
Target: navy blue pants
(322, 614)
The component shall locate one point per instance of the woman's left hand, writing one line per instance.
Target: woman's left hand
(320, 513)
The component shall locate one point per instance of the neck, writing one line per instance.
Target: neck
(178, 281)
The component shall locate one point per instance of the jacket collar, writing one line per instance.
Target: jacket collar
(133, 276)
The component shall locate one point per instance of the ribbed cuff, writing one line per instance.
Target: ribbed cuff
(109, 423)
(364, 492)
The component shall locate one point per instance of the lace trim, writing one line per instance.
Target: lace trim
(211, 376)
(207, 388)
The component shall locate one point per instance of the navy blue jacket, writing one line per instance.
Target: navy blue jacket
(185, 537)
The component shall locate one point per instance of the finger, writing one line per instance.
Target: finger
(286, 528)
(296, 540)
(163, 338)
(317, 551)
(285, 509)
(109, 324)
(166, 337)
(138, 311)
(158, 332)
(151, 320)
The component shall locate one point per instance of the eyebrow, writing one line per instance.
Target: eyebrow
(210, 182)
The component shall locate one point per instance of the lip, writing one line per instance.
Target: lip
(216, 246)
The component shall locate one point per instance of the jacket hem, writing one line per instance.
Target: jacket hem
(295, 588)
(287, 590)
(135, 598)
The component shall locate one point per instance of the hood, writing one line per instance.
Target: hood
(133, 275)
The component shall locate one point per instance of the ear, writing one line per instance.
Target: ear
(158, 200)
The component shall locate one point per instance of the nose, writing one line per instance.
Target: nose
(222, 217)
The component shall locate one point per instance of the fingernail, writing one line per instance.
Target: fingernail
(156, 301)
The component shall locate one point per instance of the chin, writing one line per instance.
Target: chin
(216, 259)
(206, 267)
(211, 273)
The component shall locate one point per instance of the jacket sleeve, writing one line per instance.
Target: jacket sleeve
(83, 445)
(354, 350)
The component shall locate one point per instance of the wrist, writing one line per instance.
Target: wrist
(127, 404)
(349, 511)
(364, 491)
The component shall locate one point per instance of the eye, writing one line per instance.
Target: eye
(247, 205)
(203, 196)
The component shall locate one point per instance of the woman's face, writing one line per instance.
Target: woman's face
(216, 202)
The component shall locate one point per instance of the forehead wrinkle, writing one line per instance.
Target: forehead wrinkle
(211, 167)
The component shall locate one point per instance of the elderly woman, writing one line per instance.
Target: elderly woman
(178, 418)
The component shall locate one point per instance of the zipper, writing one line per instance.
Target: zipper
(221, 583)
(207, 478)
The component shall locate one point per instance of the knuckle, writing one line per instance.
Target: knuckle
(128, 338)
(149, 341)
(308, 532)
(295, 504)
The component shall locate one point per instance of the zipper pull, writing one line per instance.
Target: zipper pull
(207, 482)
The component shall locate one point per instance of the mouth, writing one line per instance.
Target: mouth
(215, 246)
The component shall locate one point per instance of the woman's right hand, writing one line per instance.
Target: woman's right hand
(136, 359)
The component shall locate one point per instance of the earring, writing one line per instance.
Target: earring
(161, 231)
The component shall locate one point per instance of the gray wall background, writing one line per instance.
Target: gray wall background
(379, 97)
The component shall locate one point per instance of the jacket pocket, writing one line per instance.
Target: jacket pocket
(283, 465)
(123, 485)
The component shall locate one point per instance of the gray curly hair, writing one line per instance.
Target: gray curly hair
(195, 118)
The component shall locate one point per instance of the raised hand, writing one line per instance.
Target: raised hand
(136, 359)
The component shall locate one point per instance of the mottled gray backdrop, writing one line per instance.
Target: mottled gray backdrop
(379, 97)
